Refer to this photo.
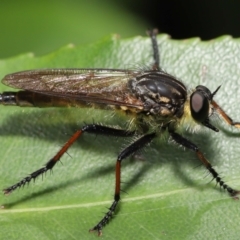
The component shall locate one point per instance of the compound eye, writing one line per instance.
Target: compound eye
(199, 105)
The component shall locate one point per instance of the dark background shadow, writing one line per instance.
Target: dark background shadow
(189, 18)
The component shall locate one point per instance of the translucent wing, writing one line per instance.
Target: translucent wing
(105, 86)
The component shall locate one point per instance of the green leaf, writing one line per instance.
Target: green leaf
(168, 197)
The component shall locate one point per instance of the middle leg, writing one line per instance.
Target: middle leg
(134, 147)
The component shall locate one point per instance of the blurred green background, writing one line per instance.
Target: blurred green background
(44, 26)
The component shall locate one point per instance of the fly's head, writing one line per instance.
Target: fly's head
(200, 105)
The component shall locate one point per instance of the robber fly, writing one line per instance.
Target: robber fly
(158, 102)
